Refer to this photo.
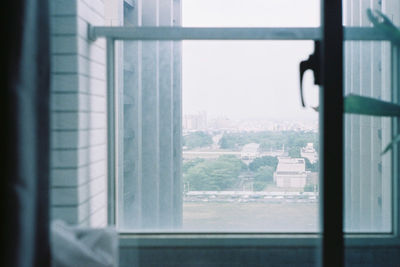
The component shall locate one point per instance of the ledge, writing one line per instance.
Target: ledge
(248, 240)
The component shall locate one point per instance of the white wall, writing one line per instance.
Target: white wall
(78, 143)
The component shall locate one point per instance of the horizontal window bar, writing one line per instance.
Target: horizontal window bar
(215, 240)
(182, 33)
(249, 240)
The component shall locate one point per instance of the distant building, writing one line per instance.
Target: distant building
(290, 172)
(195, 121)
(250, 152)
(222, 123)
(276, 153)
(312, 178)
(309, 153)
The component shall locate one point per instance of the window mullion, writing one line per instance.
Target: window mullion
(331, 129)
(186, 33)
(111, 134)
(395, 83)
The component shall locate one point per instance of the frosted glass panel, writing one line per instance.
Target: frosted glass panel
(368, 172)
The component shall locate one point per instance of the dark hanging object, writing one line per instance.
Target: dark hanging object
(24, 104)
(312, 63)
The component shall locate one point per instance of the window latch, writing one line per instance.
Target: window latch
(312, 63)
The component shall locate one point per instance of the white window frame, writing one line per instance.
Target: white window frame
(171, 239)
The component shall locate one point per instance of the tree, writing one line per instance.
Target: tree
(259, 186)
(265, 174)
(263, 161)
(187, 165)
(294, 152)
(197, 139)
(270, 139)
(309, 188)
(314, 167)
(227, 142)
(218, 174)
(263, 177)
(243, 166)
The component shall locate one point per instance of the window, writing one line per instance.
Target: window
(245, 90)
(369, 173)
(157, 54)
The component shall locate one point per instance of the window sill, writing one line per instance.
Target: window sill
(248, 240)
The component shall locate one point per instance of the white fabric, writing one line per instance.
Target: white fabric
(83, 247)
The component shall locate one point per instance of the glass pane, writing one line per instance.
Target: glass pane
(250, 13)
(368, 172)
(249, 159)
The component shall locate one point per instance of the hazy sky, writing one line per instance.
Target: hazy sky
(248, 79)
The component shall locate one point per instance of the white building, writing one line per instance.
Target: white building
(276, 153)
(250, 151)
(290, 172)
(309, 153)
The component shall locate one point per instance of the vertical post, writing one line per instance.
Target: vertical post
(391, 187)
(355, 145)
(177, 120)
(348, 121)
(395, 71)
(166, 119)
(331, 121)
(377, 132)
(366, 195)
(129, 182)
(111, 159)
(150, 185)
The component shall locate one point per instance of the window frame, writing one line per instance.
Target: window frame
(174, 239)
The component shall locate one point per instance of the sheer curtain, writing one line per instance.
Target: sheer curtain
(25, 144)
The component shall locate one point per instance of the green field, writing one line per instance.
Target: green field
(269, 217)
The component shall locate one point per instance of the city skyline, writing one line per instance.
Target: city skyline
(202, 122)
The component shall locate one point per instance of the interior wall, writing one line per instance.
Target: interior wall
(78, 132)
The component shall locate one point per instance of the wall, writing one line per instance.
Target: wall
(78, 143)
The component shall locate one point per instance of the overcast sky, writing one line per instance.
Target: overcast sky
(247, 79)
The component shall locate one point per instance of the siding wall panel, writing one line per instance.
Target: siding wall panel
(78, 138)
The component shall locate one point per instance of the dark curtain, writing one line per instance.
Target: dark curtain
(24, 182)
